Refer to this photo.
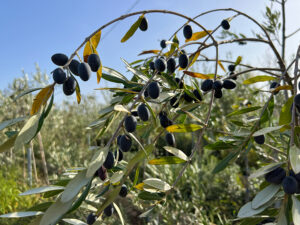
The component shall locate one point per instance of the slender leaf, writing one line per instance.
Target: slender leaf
(265, 195)
(180, 154)
(256, 79)
(132, 29)
(183, 128)
(198, 35)
(243, 111)
(166, 160)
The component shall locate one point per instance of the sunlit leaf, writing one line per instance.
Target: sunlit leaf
(26, 92)
(180, 154)
(120, 108)
(192, 59)
(116, 177)
(182, 128)
(295, 158)
(256, 79)
(149, 52)
(119, 213)
(166, 160)
(118, 89)
(132, 29)
(158, 184)
(197, 35)
(93, 42)
(74, 222)
(21, 214)
(41, 98)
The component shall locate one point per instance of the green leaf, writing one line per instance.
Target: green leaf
(285, 114)
(116, 177)
(256, 79)
(266, 130)
(27, 132)
(114, 76)
(97, 161)
(150, 196)
(40, 190)
(158, 184)
(132, 29)
(75, 185)
(11, 122)
(220, 145)
(183, 128)
(82, 197)
(41, 207)
(248, 211)
(166, 160)
(294, 154)
(26, 92)
(21, 214)
(224, 162)
(56, 211)
(238, 60)
(266, 169)
(243, 111)
(180, 154)
(296, 210)
(8, 143)
(268, 112)
(265, 195)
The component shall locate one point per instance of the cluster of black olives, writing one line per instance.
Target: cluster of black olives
(290, 183)
(83, 70)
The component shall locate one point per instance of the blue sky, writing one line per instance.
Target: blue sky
(31, 31)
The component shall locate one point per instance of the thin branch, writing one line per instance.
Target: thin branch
(293, 123)
(290, 35)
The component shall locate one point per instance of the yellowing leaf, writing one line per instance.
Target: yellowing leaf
(198, 35)
(157, 184)
(199, 75)
(238, 60)
(192, 59)
(94, 41)
(284, 87)
(256, 79)
(99, 73)
(221, 65)
(41, 98)
(166, 160)
(139, 186)
(78, 95)
(132, 29)
(182, 128)
(149, 52)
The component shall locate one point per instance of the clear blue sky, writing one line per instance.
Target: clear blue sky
(31, 31)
